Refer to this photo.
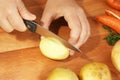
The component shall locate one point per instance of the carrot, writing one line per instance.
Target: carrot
(109, 21)
(113, 10)
(114, 3)
(113, 13)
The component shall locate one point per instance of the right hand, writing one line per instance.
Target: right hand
(12, 13)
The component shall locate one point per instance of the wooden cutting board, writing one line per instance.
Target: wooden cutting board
(21, 59)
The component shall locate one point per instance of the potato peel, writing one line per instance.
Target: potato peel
(95, 71)
(62, 74)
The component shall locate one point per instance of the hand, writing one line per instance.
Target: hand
(11, 14)
(73, 14)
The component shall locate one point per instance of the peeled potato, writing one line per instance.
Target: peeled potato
(115, 56)
(53, 48)
(62, 74)
(95, 71)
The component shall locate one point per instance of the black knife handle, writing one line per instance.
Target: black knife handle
(31, 25)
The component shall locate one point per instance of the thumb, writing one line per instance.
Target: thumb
(46, 19)
(24, 12)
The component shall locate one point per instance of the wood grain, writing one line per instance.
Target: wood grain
(20, 56)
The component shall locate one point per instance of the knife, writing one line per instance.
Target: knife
(36, 28)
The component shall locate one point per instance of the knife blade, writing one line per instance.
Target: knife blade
(36, 28)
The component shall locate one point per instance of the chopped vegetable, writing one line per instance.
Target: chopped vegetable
(53, 48)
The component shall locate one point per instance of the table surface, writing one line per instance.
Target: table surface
(20, 56)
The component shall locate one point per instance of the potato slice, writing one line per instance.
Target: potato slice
(115, 56)
(62, 74)
(53, 48)
(95, 71)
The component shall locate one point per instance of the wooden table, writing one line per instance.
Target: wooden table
(20, 56)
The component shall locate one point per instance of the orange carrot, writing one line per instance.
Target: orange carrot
(109, 21)
(114, 3)
(113, 13)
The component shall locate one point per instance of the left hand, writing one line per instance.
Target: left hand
(73, 14)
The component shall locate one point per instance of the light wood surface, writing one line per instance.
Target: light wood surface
(20, 56)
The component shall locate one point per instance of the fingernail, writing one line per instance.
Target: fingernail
(71, 41)
(33, 16)
(43, 25)
(72, 52)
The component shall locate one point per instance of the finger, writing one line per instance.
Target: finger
(47, 18)
(16, 21)
(5, 25)
(85, 33)
(72, 52)
(24, 12)
(75, 26)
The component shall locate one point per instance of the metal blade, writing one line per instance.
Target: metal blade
(36, 28)
(42, 31)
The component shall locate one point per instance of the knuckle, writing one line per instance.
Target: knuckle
(9, 12)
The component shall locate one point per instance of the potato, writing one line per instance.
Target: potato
(62, 74)
(115, 56)
(95, 71)
(53, 48)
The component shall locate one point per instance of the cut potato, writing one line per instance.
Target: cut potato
(115, 56)
(53, 48)
(95, 71)
(62, 74)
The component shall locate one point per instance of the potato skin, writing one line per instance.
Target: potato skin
(53, 48)
(115, 55)
(60, 73)
(95, 71)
